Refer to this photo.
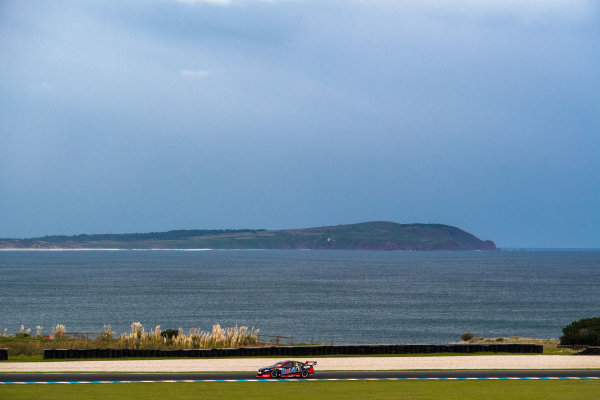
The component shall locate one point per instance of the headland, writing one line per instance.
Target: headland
(375, 235)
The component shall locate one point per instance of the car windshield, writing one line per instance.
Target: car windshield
(279, 364)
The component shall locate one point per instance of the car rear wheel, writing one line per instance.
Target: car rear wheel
(274, 373)
(304, 374)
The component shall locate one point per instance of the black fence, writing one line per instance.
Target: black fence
(590, 351)
(298, 351)
(3, 354)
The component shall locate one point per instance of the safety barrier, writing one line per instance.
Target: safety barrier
(590, 351)
(3, 354)
(289, 351)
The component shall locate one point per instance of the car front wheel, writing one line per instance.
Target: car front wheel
(274, 373)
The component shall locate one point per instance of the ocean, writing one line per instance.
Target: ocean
(322, 296)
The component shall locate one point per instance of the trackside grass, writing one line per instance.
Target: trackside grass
(38, 358)
(430, 390)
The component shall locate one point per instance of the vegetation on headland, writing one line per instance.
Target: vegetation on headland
(430, 390)
(378, 235)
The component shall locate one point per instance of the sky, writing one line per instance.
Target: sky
(153, 115)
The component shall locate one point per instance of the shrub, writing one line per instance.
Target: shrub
(137, 330)
(170, 333)
(465, 337)
(586, 331)
(107, 334)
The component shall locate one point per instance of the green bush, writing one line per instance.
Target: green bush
(586, 331)
(170, 333)
(465, 337)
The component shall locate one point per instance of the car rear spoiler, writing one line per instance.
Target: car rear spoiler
(313, 363)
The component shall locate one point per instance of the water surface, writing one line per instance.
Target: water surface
(340, 296)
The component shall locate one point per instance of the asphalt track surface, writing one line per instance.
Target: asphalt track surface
(112, 377)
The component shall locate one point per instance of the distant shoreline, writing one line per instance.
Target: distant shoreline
(197, 250)
(374, 235)
(200, 250)
(105, 249)
(511, 249)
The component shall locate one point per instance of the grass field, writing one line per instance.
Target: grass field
(430, 390)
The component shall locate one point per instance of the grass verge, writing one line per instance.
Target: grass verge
(430, 390)
(38, 358)
(23, 343)
(550, 345)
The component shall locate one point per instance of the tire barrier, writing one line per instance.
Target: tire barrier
(590, 351)
(298, 351)
(3, 354)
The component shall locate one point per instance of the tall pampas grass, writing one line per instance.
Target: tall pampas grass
(218, 337)
(58, 331)
(136, 338)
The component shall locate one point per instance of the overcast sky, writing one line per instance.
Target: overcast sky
(135, 116)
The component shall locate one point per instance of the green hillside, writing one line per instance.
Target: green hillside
(377, 235)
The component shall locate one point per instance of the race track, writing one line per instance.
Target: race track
(251, 364)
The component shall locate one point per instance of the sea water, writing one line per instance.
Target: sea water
(326, 296)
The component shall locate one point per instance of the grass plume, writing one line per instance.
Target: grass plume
(137, 338)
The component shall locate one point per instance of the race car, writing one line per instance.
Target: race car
(288, 369)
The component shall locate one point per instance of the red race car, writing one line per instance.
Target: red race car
(288, 369)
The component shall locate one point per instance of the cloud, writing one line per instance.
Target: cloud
(194, 74)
